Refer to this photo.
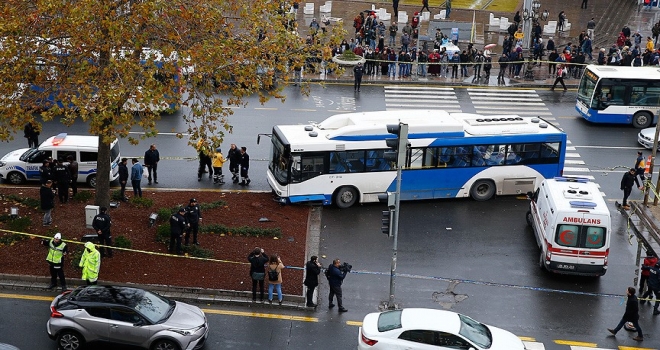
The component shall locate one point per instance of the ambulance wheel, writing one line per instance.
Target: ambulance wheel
(530, 219)
(91, 181)
(642, 120)
(345, 197)
(15, 178)
(482, 190)
(542, 261)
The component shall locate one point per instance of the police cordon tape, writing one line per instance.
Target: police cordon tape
(357, 272)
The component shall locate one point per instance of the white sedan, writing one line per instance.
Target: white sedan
(426, 329)
(646, 136)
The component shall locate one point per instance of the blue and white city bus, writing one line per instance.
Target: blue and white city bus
(341, 160)
(620, 95)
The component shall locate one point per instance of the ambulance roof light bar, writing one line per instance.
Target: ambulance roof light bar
(582, 204)
(59, 138)
(571, 179)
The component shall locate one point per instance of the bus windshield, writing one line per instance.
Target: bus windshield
(587, 87)
(280, 158)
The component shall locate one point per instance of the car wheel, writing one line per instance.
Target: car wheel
(91, 181)
(346, 197)
(642, 120)
(15, 178)
(530, 219)
(482, 190)
(70, 340)
(542, 261)
(165, 344)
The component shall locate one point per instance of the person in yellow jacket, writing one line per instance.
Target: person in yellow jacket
(90, 263)
(218, 161)
(57, 250)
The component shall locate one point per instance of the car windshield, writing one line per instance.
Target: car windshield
(476, 332)
(154, 307)
(27, 154)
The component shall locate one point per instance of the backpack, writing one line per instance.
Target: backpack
(273, 275)
(327, 273)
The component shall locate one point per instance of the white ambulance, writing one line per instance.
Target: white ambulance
(572, 226)
(23, 164)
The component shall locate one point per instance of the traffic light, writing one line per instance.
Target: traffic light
(386, 227)
(388, 215)
(398, 145)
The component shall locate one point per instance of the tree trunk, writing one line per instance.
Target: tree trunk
(103, 175)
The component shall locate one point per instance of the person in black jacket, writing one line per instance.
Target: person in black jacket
(312, 271)
(626, 186)
(151, 159)
(177, 226)
(101, 225)
(47, 197)
(63, 177)
(45, 172)
(357, 73)
(245, 166)
(654, 286)
(504, 63)
(335, 279)
(258, 260)
(193, 218)
(123, 178)
(234, 156)
(630, 315)
(73, 171)
(32, 135)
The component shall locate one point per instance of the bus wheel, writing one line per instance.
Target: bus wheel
(346, 197)
(642, 120)
(482, 190)
(530, 219)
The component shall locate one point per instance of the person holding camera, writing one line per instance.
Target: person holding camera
(57, 249)
(258, 260)
(312, 271)
(275, 268)
(336, 274)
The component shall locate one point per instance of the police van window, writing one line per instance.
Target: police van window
(88, 157)
(62, 155)
(595, 237)
(39, 156)
(567, 235)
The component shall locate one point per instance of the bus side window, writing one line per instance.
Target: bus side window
(337, 164)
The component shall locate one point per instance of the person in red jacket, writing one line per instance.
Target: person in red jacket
(650, 260)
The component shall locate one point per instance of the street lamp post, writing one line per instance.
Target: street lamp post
(530, 16)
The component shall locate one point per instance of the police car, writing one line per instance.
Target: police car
(23, 164)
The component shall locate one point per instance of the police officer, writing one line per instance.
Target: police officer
(335, 279)
(245, 167)
(193, 218)
(177, 226)
(234, 156)
(57, 249)
(90, 262)
(654, 286)
(101, 225)
(63, 177)
(45, 173)
(73, 171)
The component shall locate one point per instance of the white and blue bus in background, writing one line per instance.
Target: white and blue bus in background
(620, 95)
(341, 160)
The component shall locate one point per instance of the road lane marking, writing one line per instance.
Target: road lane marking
(621, 347)
(575, 343)
(527, 338)
(568, 117)
(354, 323)
(613, 147)
(266, 108)
(532, 345)
(303, 110)
(26, 297)
(261, 315)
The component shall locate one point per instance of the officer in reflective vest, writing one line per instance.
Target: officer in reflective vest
(90, 263)
(57, 249)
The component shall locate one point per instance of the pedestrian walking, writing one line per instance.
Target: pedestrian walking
(560, 21)
(73, 172)
(177, 226)
(504, 63)
(193, 218)
(63, 180)
(136, 178)
(591, 28)
(204, 151)
(123, 178)
(626, 186)
(649, 261)
(31, 134)
(218, 161)
(312, 271)
(395, 7)
(630, 315)
(258, 260)
(447, 8)
(584, 4)
(561, 73)
(358, 70)
(245, 167)
(653, 286)
(90, 263)
(640, 166)
(57, 250)
(101, 225)
(274, 271)
(151, 159)
(234, 156)
(47, 197)
(425, 5)
(335, 279)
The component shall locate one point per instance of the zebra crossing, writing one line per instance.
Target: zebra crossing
(398, 97)
(532, 345)
(508, 101)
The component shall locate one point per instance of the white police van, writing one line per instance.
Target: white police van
(23, 164)
(572, 226)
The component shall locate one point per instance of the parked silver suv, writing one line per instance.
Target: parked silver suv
(125, 316)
